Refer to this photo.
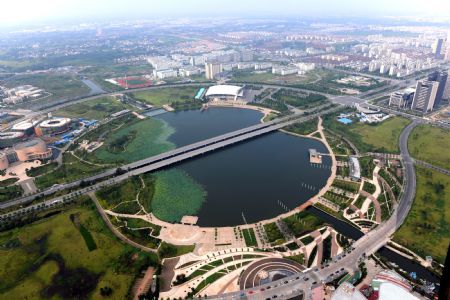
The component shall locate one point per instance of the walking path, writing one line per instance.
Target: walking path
(117, 233)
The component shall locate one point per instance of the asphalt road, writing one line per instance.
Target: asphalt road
(302, 283)
(170, 157)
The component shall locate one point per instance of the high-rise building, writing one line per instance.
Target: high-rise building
(212, 69)
(440, 76)
(447, 89)
(437, 49)
(402, 99)
(447, 48)
(425, 95)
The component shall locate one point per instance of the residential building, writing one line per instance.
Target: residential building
(212, 69)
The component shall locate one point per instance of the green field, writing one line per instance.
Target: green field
(97, 109)
(176, 195)
(381, 137)
(70, 170)
(60, 86)
(430, 144)
(426, 229)
(159, 97)
(149, 137)
(49, 259)
(168, 250)
(245, 76)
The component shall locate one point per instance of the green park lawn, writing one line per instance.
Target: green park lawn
(97, 109)
(161, 96)
(430, 144)
(71, 169)
(31, 259)
(381, 137)
(426, 229)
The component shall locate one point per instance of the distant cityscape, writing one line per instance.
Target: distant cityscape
(225, 158)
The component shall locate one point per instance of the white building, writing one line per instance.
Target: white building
(305, 67)
(283, 71)
(165, 73)
(224, 92)
(263, 66)
(189, 71)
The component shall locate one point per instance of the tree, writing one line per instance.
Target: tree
(105, 291)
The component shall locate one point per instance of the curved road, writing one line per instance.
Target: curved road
(302, 283)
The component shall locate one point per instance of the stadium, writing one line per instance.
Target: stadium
(8, 139)
(224, 92)
(53, 126)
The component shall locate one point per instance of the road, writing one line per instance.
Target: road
(303, 282)
(170, 157)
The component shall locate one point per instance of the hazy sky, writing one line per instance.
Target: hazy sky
(21, 11)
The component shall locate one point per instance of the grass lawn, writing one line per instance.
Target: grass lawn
(176, 195)
(70, 170)
(30, 258)
(426, 229)
(303, 128)
(430, 144)
(253, 77)
(147, 137)
(10, 192)
(97, 109)
(381, 137)
(60, 86)
(111, 196)
(250, 238)
(169, 250)
(161, 96)
(303, 222)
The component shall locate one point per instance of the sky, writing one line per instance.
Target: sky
(16, 12)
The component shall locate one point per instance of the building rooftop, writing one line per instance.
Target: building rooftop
(229, 90)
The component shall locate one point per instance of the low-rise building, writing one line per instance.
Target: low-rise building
(165, 73)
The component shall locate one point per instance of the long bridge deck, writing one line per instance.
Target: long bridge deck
(170, 157)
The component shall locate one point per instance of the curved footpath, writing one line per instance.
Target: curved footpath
(365, 246)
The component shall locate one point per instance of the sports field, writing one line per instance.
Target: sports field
(159, 97)
(97, 109)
